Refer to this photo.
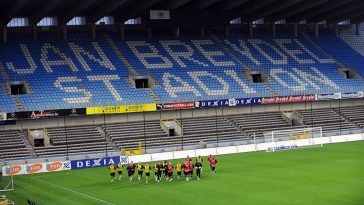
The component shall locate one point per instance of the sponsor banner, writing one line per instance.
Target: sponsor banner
(283, 147)
(13, 170)
(36, 168)
(46, 114)
(98, 162)
(176, 106)
(56, 166)
(288, 99)
(332, 96)
(228, 102)
(352, 95)
(120, 109)
(33, 168)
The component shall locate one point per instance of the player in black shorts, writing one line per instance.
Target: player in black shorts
(198, 166)
(165, 169)
(147, 170)
(131, 170)
(119, 167)
(159, 171)
(179, 169)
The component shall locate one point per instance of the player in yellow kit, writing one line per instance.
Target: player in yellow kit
(112, 170)
(140, 168)
(179, 170)
(120, 167)
(147, 170)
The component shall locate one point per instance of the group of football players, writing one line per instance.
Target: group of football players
(163, 169)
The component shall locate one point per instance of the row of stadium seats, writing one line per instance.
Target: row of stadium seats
(12, 145)
(128, 135)
(73, 140)
(328, 119)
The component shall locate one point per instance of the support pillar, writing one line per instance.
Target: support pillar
(5, 33)
(315, 25)
(227, 32)
(250, 26)
(295, 29)
(122, 31)
(93, 31)
(34, 32)
(274, 31)
(202, 32)
(176, 32)
(64, 32)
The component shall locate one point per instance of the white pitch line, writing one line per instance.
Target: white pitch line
(75, 192)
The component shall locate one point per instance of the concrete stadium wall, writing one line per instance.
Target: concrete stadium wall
(108, 119)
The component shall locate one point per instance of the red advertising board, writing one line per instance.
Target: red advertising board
(179, 105)
(288, 99)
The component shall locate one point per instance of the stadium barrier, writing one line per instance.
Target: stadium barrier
(35, 168)
(242, 148)
(100, 162)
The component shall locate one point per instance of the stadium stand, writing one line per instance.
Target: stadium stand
(328, 119)
(252, 124)
(208, 129)
(87, 73)
(13, 145)
(74, 140)
(127, 135)
(355, 115)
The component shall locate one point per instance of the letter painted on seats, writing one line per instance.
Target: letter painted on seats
(106, 79)
(210, 54)
(293, 52)
(72, 89)
(320, 78)
(234, 76)
(243, 50)
(144, 56)
(179, 55)
(257, 42)
(196, 77)
(320, 60)
(172, 90)
(80, 53)
(29, 59)
(49, 63)
(274, 73)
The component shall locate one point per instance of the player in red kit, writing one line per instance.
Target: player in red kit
(213, 164)
(187, 170)
(169, 171)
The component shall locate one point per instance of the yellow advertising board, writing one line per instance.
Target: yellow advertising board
(120, 109)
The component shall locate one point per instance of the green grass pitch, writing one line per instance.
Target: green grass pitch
(332, 175)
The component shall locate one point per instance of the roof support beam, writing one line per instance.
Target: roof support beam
(135, 10)
(107, 8)
(232, 4)
(352, 14)
(75, 9)
(14, 9)
(249, 8)
(317, 10)
(174, 4)
(40, 14)
(298, 8)
(269, 10)
(337, 11)
(202, 4)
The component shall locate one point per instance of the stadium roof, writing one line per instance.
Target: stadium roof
(249, 10)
